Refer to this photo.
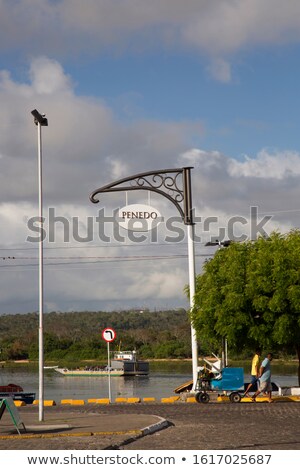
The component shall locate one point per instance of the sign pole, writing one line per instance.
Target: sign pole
(108, 334)
(109, 377)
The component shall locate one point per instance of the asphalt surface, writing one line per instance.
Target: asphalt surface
(156, 426)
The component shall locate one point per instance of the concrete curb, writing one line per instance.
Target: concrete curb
(45, 432)
(162, 423)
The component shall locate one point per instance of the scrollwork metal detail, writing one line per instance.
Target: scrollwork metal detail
(159, 181)
(174, 184)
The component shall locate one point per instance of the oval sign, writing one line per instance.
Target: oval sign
(139, 217)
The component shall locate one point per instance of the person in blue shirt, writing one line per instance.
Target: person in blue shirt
(265, 378)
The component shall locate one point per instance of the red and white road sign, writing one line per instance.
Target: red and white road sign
(108, 334)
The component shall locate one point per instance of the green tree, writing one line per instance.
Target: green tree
(250, 294)
(77, 335)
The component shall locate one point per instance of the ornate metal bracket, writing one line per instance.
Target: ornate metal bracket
(174, 184)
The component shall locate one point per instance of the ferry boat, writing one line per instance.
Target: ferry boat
(123, 363)
(89, 372)
(128, 362)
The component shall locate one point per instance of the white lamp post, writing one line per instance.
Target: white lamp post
(40, 120)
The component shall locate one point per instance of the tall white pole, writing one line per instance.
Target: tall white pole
(40, 120)
(41, 280)
(192, 282)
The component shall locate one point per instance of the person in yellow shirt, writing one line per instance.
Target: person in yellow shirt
(255, 366)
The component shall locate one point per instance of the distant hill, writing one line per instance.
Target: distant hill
(77, 335)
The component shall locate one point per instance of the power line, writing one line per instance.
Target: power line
(104, 259)
(110, 245)
(26, 258)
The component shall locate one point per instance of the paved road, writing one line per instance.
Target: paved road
(223, 426)
(227, 426)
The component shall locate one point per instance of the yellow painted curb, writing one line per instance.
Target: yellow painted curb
(46, 402)
(103, 401)
(66, 401)
(69, 434)
(133, 400)
(71, 401)
(191, 400)
(167, 400)
(287, 398)
(175, 397)
(223, 398)
(171, 399)
(99, 401)
(121, 400)
(261, 399)
(78, 402)
(19, 403)
(274, 398)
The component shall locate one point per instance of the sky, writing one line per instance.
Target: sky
(131, 86)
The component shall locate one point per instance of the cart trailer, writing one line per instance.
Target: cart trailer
(230, 380)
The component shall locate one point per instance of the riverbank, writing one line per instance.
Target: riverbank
(232, 362)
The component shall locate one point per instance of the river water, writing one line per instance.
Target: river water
(163, 379)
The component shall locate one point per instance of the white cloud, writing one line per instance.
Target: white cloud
(277, 165)
(215, 28)
(84, 144)
(84, 147)
(118, 168)
(73, 130)
(267, 165)
(223, 185)
(222, 188)
(158, 281)
(47, 77)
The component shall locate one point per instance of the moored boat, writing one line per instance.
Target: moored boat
(89, 372)
(16, 393)
(128, 361)
(123, 363)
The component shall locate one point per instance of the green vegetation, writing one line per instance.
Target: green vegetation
(249, 293)
(76, 336)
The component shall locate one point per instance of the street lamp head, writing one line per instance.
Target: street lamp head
(225, 243)
(39, 118)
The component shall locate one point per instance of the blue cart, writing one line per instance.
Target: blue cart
(230, 379)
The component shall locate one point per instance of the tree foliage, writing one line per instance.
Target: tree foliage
(77, 335)
(250, 294)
